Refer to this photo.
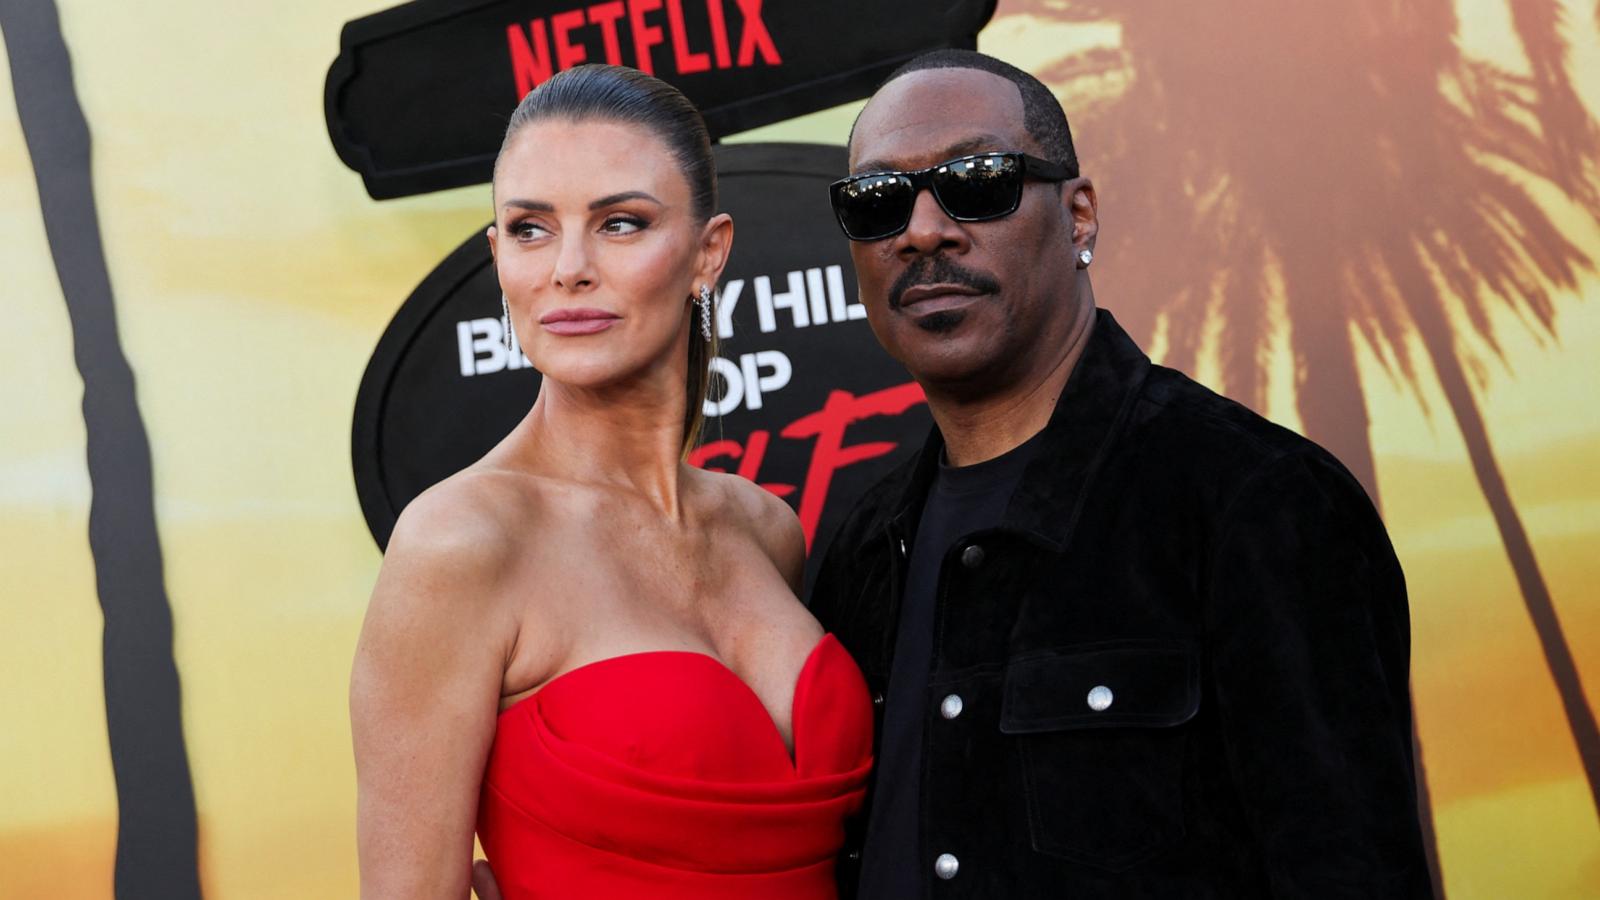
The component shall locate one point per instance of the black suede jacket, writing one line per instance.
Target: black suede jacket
(1182, 659)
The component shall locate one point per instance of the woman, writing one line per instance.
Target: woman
(579, 643)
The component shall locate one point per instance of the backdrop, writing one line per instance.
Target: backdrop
(1376, 223)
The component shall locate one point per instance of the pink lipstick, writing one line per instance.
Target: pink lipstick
(575, 321)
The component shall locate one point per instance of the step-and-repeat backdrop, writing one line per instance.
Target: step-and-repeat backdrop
(247, 314)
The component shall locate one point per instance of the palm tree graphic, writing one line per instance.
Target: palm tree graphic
(157, 851)
(1377, 193)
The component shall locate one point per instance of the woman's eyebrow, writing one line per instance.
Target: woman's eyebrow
(611, 199)
(532, 205)
(608, 200)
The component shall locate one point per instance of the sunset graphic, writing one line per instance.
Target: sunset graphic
(1376, 223)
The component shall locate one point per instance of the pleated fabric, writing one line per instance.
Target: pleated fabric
(662, 775)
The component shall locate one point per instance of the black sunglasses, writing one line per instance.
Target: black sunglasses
(878, 205)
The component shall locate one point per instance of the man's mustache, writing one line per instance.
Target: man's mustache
(940, 270)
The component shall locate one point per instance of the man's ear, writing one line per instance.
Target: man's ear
(1084, 208)
(494, 250)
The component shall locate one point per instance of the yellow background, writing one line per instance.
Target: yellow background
(253, 276)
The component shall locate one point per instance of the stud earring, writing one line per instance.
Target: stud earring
(705, 312)
(505, 321)
(1085, 257)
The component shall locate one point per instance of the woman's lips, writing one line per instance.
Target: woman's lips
(578, 321)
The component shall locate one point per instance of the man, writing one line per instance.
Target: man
(1127, 638)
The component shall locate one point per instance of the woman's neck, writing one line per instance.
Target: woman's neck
(623, 436)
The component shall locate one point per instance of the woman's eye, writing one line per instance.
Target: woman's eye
(527, 230)
(622, 225)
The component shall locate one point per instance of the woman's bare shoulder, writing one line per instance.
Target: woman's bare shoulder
(459, 538)
(457, 521)
(766, 517)
(445, 606)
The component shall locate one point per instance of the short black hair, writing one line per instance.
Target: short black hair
(1042, 116)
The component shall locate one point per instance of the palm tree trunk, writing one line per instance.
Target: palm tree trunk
(1430, 837)
(156, 828)
(1328, 393)
(1436, 338)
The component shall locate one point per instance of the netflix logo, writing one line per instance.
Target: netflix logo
(698, 41)
(418, 96)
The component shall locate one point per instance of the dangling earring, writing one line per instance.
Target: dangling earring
(1085, 257)
(704, 303)
(505, 320)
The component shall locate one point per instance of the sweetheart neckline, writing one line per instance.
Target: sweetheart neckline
(790, 751)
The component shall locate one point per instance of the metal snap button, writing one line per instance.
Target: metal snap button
(1100, 698)
(946, 866)
(951, 707)
(972, 557)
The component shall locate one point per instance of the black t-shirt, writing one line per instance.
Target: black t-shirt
(962, 500)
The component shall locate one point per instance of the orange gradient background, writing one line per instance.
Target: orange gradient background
(1265, 172)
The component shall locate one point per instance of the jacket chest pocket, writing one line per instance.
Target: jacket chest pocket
(1097, 731)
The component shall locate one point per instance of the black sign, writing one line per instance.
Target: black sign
(808, 405)
(419, 95)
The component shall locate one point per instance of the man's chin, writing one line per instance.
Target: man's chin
(941, 322)
(950, 365)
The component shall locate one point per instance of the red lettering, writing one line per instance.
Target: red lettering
(606, 15)
(749, 459)
(688, 63)
(568, 54)
(829, 455)
(702, 455)
(754, 36)
(753, 454)
(530, 63)
(644, 36)
(719, 33)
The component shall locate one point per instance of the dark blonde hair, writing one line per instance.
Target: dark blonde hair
(621, 94)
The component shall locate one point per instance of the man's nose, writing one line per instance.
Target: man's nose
(930, 230)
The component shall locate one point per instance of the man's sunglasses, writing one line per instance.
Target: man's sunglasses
(878, 205)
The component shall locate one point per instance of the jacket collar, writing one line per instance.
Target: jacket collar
(1091, 413)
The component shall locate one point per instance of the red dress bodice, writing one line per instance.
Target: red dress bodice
(662, 775)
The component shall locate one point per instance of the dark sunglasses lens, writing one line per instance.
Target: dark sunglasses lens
(875, 206)
(985, 187)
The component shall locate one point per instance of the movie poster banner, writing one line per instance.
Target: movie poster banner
(227, 365)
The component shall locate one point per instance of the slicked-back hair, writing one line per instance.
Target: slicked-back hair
(1042, 116)
(601, 93)
(595, 92)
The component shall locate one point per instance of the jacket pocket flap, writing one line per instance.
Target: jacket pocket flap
(1108, 684)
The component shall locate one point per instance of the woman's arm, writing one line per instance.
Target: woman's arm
(424, 694)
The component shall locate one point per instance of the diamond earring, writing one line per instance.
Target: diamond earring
(704, 303)
(1085, 257)
(505, 321)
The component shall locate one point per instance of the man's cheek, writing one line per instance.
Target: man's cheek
(872, 294)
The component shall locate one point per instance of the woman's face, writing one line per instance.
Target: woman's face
(598, 251)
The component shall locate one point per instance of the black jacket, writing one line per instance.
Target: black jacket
(1225, 591)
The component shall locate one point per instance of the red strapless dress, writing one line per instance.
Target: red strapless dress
(661, 775)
